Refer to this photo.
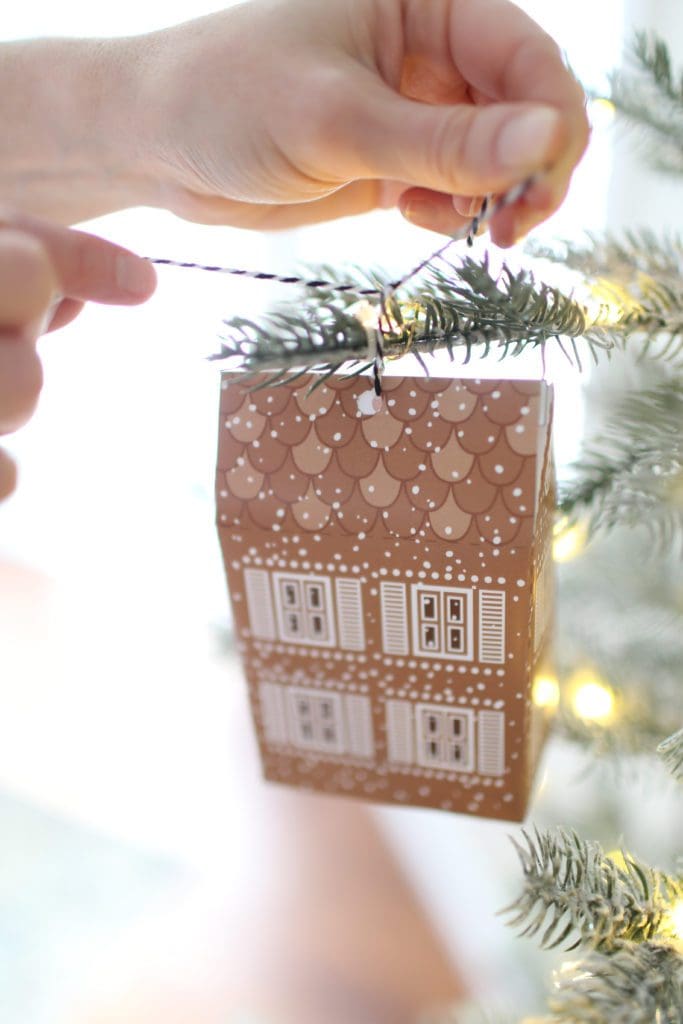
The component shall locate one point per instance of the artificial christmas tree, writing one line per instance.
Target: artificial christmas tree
(621, 643)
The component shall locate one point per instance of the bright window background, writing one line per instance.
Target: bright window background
(114, 517)
(126, 423)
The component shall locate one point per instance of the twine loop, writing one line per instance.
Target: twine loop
(487, 211)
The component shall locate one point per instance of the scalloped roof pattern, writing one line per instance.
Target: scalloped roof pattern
(453, 458)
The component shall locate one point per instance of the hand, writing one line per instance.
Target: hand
(282, 112)
(46, 274)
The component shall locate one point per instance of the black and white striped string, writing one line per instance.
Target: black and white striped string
(487, 211)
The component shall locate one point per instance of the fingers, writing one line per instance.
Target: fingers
(8, 475)
(28, 281)
(40, 263)
(513, 222)
(87, 267)
(65, 311)
(433, 210)
(507, 57)
(497, 106)
(27, 288)
(467, 206)
(21, 380)
(464, 150)
(461, 149)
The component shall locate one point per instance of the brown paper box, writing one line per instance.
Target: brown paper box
(391, 579)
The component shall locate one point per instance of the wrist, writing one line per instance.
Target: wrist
(82, 149)
(184, 77)
(118, 142)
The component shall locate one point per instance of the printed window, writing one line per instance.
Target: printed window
(442, 622)
(429, 604)
(445, 738)
(304, 609)
(316, 614)
(317, 721)
(455, 639)
(455, 609)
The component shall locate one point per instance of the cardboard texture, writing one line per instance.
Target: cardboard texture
(391, 579)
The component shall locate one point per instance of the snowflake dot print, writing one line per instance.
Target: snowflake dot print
(389, 566)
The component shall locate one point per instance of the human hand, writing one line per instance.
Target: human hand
(281, 112)
(46, 275)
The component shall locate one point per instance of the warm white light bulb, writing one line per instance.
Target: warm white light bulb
(569, 541)
(675, 919)
(604, 105)
(366, 312)
(546, 692)
(592, 700)
(617, 857)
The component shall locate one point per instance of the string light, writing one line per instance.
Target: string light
(546, 692)
(610, 302)
(370, 315)
(591, 699)
(568, 540)
(674, 920)
(671, 925)
(617, 858)
(604, 105)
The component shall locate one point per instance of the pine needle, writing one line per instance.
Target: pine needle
(637, 984)
(574, 895)
(671, 753)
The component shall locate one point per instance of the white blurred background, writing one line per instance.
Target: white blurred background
(118, 791)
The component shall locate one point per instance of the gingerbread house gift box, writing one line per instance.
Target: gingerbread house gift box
(390, 571)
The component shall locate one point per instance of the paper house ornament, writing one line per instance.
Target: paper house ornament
(391, 580)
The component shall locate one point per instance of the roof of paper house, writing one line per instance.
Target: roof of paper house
(454, 458)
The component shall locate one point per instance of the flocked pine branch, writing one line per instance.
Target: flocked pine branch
(628, 260)
(671, 753)
(640, 983)
(633, 473)
(650, 96)
(638, 278)
(621, 617)
(632, 974)
(296, 338)
(575, 895)
(463, 308)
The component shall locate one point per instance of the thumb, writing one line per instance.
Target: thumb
(459, 149)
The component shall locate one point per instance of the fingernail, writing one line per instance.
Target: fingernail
(466, 206)
(49, 314)
(526, 141)
(411, 211)
(134, 275)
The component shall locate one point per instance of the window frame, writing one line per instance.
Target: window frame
(316, 742)
(305, 585)
(439, 736)
(443, 621)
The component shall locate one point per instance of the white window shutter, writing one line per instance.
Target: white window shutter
(491, 743)
(400, 732)
(350, 615)
(394, 618)
(359, 726)
(273, 713)
(492, 626)
(259, 604)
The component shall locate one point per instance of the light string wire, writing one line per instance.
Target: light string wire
(487, 212)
